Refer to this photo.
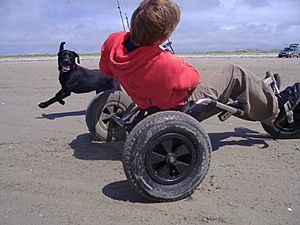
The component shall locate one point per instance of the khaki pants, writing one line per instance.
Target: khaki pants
(235, 83)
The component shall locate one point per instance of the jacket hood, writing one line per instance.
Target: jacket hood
(121, 59)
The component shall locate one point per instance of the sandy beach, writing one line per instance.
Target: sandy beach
(53, 172)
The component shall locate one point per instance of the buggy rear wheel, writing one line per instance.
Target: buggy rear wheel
(98, 115)
(166, 156)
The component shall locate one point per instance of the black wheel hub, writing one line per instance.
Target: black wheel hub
(105, 119)
(170, 158)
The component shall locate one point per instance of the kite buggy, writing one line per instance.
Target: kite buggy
(167, 153)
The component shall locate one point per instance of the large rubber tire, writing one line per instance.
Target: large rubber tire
(98, 113)
(285, 130)
(166, 156)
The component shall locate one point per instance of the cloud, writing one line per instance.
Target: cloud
(40, 25)
(239, 24)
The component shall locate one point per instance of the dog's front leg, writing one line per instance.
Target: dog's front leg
(57, 98)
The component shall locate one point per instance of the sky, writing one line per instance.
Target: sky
(38, 26)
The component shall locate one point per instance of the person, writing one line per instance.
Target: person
(154, 77)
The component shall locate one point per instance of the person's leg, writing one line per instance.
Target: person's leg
(236, 83)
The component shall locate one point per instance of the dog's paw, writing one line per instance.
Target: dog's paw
(42, 105)
(61, 102)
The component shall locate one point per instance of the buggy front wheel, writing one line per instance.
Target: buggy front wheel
(284, 129)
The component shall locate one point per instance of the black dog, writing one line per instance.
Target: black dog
(77, 79)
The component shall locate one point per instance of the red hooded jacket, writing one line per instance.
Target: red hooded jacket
(150, 75)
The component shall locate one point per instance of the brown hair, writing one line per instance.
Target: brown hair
(153, 20)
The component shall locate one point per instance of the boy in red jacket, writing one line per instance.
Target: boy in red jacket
(152, 76)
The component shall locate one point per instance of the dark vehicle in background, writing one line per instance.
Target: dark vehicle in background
(289, 52)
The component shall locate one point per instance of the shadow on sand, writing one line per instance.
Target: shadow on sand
(53, 116)
(86, 148)
(239, 137)
(122, 191)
